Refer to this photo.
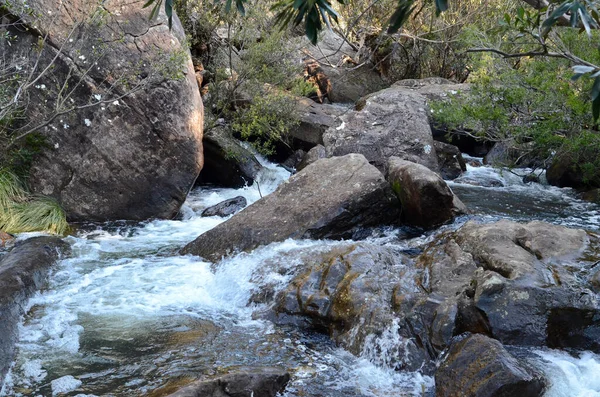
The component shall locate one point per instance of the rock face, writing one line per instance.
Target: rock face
(137, 153)
(426, 199)
(23, 271)
(478, 366)
(266, 382)
(392, 122)
(226, 162)
(330, 198)
(450, 160)
(227, 207)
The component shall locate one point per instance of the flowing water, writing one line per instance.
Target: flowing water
(125, 316)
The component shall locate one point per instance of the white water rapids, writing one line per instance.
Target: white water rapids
(125, 317)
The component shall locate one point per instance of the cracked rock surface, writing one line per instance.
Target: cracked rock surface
(117, 105)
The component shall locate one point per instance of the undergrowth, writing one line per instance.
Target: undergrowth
(22, 212)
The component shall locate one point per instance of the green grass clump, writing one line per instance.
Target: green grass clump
(21, 212)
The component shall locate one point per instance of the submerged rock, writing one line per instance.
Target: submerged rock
(227, 207)
(478, 366)
(331, 198)
(135, 156)
(426, 199)
(23, 271)
(259, 382)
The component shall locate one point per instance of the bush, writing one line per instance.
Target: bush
(534, 105)
(266, 121)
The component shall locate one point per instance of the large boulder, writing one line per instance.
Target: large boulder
(517, 282)
(331, 198)
(131, 148)
(426, 199)
(478, 366)
(347, 293)
(23, 271)
(259, 382)
(226, 162)
(392, 122)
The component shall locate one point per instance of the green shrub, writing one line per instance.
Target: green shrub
(266, 121)
(533, 104)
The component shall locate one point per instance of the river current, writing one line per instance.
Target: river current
(125, 316)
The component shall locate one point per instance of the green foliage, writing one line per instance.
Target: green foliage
(266, 121)
(534, 105)
(301, 87)
(20, 212)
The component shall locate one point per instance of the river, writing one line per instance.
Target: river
(126, 316)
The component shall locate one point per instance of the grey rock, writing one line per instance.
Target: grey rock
(392, 122)
(226, 208)
(516, 282)
(314, 154)
(478, 366)
(226, 162)
(23, 271)
(315, 119)
(426, 199)
(135, 158)
(347, 83)
(330, 198)
(347, 292)
(255, 382)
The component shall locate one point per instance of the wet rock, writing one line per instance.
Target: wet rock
(531, 178)
(481, 181)
(227, 207)
(426, 199)
(330, 198)
(256, 382)
(226, 162)
(135, 156)
(450, 160)
(593, 196)
(521, 279)
(478, 366)
(314, 154)
(392, 122)
(347, 293)
(23, 271)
